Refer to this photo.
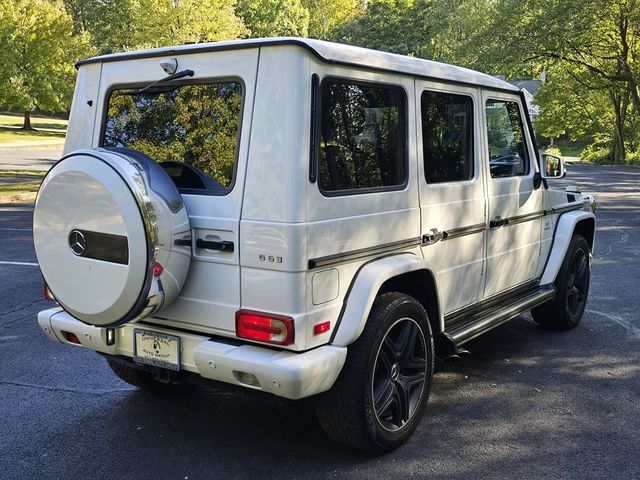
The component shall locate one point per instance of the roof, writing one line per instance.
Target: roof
(331, 53)
(531, 86)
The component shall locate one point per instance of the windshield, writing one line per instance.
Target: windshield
(192, 125)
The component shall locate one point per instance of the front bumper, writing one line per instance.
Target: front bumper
(283, 373)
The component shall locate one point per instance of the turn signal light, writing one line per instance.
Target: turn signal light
(264, 327)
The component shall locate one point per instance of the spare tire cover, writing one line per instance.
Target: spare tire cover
(105, 226)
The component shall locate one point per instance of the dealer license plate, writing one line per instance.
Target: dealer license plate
(157, 349)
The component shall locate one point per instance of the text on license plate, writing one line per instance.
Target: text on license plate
(156, 349)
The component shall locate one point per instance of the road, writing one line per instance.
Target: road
(29, 158)
(527, 404)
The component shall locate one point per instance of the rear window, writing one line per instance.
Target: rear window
(191, 130)
(362, 137)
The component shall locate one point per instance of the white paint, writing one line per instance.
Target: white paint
(628, 326)
(26, 264)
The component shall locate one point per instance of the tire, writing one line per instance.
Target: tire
(383, 389)
(565, 311)
(145, 380)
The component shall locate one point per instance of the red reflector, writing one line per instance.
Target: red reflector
(157, 269)
(321, 328)
(47, 294)
(71, 337)
(264, 327)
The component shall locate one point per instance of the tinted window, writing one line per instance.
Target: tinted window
(447, 137)
(507, 150)
(362, 144)
(192, 125)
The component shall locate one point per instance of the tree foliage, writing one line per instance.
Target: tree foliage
(37, 53)
(588, 50)
(120, 25)
(274, 18)
(591, 48)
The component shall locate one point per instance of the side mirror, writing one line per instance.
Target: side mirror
(552, 166)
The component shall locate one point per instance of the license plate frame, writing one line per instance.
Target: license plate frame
(156, 349)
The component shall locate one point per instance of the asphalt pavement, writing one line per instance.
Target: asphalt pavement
(29, 158)
(527, 404)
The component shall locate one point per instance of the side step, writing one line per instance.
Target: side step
(485, 320)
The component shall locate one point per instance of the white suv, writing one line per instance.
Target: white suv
(302, 218)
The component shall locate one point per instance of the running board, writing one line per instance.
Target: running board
(471, 327)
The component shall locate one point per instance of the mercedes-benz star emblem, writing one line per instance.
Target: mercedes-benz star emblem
(77, 242)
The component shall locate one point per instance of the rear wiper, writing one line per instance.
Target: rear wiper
(175, 76)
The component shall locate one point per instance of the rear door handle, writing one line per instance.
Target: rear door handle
(498, 222)
(434, 236)
(219, 246)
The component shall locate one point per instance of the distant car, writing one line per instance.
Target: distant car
(305, 219)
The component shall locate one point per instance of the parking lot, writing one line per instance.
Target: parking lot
(526, 404)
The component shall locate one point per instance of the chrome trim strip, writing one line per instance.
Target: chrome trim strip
(565, 208)
(361, 253)
(463, 231)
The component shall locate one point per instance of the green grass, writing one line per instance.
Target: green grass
(8, 135)
(13, 173)
(569, 149)
(19, 187)
(14, 120)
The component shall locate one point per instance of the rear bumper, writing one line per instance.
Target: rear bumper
(283, 373)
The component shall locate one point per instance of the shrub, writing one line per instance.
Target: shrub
(553, 151)
(632, 158)
(597, 154)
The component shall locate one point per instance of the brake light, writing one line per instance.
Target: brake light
(264, 327)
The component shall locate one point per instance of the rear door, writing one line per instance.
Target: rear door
(201, 127)
(452, 198)
(515, 202)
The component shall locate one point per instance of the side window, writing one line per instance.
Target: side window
(362, 137)
(447, 138)
(507, 150)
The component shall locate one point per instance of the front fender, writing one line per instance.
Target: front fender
(564, 231)
(364, 290)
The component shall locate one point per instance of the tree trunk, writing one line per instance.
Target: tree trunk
(27, 121)
(619, 152)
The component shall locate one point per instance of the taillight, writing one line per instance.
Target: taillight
(264, 327)
(47, 294)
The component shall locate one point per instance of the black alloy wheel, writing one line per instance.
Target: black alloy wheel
(383, 389)
(578, 282)
(565, 311)
(400, 374)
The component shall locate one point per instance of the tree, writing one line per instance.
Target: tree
(274, 18)
(122, 25)
(595, 42)
(432, 29)
(327, 16)
(37, 52)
